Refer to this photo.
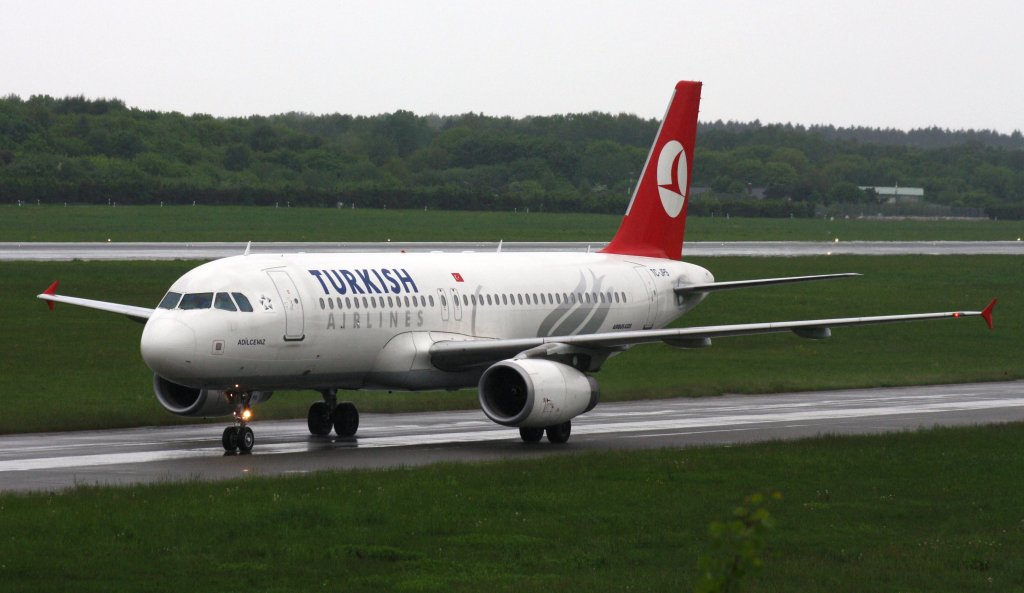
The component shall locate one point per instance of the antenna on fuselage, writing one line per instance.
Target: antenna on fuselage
(500, 241)
(247, 246)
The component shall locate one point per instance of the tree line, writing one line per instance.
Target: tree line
(80, 150)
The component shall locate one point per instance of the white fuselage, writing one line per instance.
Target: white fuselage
(353, 321)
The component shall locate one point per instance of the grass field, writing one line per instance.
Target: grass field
(931, 511)
(216, 223)
(76, 368)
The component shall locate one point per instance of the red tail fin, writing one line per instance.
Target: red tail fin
(656, 217)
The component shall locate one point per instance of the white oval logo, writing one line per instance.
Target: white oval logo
(672, 177)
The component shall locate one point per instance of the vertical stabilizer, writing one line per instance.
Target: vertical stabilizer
(656, 217)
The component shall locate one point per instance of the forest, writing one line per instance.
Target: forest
(80, 150)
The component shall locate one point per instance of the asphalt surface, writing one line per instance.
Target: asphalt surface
(56, 461)
(208, 251)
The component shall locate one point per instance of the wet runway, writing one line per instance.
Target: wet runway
(60, 460)
(208, 251)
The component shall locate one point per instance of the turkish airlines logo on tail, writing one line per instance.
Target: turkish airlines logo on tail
(672, 177)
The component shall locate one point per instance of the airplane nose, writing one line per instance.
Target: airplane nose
(168, 347)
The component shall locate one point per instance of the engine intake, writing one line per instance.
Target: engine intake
(197, 402)
(536, 393)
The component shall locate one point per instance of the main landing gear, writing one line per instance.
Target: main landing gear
(239, 438)
(343, 417)
(558, 434)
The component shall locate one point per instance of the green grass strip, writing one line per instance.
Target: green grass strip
(935, 511)
(239, 223)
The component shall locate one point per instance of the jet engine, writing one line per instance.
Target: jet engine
(201, 402)
(535, 393)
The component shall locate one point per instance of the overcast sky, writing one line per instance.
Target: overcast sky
(893, 63)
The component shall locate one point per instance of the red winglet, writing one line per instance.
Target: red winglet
(987, 313)
(51, 291)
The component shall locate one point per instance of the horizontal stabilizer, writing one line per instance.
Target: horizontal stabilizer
(714, 286)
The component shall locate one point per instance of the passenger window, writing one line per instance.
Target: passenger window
(169, 301)
(196, 300)
(243, 303)
(223, 302)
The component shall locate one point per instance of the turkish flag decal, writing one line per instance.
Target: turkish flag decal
(457, 276)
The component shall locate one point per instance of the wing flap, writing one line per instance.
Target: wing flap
(454, 355)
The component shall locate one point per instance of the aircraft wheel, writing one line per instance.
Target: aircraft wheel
(246, 439)
(559, 433)
(346, 419)
(531, 435)
(230, 439)
(319, 419)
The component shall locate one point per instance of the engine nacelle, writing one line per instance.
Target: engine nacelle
(534, 392)
(201, 402)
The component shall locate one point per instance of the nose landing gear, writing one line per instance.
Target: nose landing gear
(239, 438)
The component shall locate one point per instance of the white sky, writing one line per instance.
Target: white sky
(893, 63)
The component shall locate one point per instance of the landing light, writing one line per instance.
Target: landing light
(246, 414)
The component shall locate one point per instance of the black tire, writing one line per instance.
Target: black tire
(319, 419)
(346, 419)
(246, 439)
(559, 433)
(531, 435)
(230, 439)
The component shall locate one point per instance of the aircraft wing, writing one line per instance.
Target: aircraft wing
(715, 286)
(464, 354)
(140, 314)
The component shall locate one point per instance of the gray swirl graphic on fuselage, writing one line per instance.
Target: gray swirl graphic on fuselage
(582, 310)
(548, 325)
(600, 314)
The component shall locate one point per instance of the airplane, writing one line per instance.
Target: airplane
(528, 330)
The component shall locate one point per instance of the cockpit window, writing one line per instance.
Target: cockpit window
(243, 303)
(196, 300)
(223, 302)
(170, 300)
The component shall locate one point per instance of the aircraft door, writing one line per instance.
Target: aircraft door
(458, 305)
(444, 304)
(291, 302)
(651, 294)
